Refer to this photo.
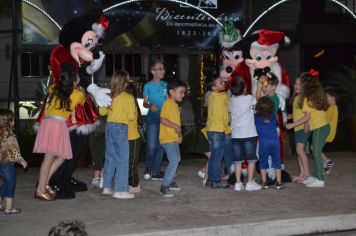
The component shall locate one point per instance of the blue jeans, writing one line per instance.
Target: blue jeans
(116, 164)
(173, 156)
(154, 151)
(8, 174)
(216, 143)
(269, 148)
(244, 147)
(228, 154)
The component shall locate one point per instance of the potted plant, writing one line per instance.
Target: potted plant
(344, 83)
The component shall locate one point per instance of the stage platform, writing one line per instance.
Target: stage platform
(196, 210)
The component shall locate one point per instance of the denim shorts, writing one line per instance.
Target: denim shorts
(244, 148)
(301, 137)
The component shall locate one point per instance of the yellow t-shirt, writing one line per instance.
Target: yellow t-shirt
(218, 116)
(297, 113)
(132, 128)
(170, 111)
(332, 117)
(317, 117)
(77, 97)
(122, 109)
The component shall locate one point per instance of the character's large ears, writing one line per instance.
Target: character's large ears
(73, 30)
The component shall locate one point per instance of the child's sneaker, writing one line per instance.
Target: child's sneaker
(279, 185)
(264, 185)
(201, 174)
(159, 176)
(316, 184)
(308, 180)
(164, 191)
(147, 174)
(135, 189)
(95, 183)
(123, 195)
(252, 186)
(107, 191)
(174, 187)
(239, 187)
(328, 166)
(101, 184)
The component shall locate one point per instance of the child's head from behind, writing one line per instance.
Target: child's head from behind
(238, 86)
(272, 83)
(313, 91)
(331, 97)
(215, 83)
(264, 107)
(176, 90)
(69, 228)
(7, 118)
(119, 82)
(67, 80)
(157, 69)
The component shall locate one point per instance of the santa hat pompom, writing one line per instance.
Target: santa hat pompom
(287, 40)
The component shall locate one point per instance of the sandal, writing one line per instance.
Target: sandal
(12, 211)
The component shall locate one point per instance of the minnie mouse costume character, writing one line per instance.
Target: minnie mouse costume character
(78, 38)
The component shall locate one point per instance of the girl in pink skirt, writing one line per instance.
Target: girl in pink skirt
(53, 135)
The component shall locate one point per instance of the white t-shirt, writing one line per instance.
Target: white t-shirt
(242, 116)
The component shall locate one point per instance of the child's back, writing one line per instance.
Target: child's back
(242, 116)
(266, 127)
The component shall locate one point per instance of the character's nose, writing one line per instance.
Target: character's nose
(229, 69)
(266, 69)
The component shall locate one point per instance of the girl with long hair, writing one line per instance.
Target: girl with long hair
(301, 135)
(312, 102)
(53, 135)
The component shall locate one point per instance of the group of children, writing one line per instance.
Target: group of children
(235, 119)
(253, 124)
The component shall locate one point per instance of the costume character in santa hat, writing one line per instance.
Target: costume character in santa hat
(77, 39)
(264, 46)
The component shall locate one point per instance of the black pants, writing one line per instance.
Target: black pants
(65, 171)
(135, 146)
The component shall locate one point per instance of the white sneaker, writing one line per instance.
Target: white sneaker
(201, 174)
(316, 184)
(308, 180)
(252, 186)
(147, 176)
(239, 187)
(101, 183)
(123, 195)
(95, 183)
(107, 191)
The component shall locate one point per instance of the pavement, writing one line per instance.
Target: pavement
(196, 210)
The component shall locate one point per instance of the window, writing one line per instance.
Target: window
(132, 63)
(34, 64)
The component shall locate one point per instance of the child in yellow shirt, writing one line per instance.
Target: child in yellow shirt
(170, 135)
(52, 137)
(217, 123)
(332, 115)
(121, 112)
(312, 102)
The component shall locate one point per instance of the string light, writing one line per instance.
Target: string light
(202, 82)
